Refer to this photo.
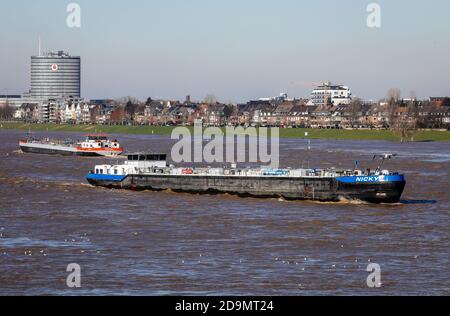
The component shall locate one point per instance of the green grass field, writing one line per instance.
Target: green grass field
(113, 129)
(420, 136)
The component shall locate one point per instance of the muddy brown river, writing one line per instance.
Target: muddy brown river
(164, 243)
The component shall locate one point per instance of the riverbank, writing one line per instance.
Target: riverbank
(420, 136)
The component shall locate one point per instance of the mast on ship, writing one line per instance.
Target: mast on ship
(383, 158)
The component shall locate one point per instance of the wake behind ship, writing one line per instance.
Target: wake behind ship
(93, 145)
(151, 172)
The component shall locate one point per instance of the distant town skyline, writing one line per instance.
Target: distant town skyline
(233, 50)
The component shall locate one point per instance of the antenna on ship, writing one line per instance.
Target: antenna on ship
(308, 149)
(39, 39)
(383, 158)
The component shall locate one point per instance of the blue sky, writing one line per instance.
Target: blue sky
(236, 50)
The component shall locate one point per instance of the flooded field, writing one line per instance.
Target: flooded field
(163, 243)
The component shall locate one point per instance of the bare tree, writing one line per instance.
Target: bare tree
(210, 99)
(393, 100)
(131, 106)
(6, 111)
(406, 123)
(130, 109)
(124, 100)
(355, 109)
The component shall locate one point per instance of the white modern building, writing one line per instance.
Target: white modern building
(281, 98)
(328, 94)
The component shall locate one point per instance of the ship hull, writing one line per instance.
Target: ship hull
(373, 189)
(316, 189)
(374, 192)
(63, 151)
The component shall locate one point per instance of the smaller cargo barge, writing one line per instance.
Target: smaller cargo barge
(94, 145)
(151, 172)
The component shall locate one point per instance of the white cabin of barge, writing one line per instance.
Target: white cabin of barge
(135, 163)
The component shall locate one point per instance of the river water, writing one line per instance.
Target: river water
(163, 243)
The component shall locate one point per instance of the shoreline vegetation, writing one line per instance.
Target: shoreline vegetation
(334, 134)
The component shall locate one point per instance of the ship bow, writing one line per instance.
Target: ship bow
(373, 189)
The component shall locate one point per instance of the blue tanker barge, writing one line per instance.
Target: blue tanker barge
(151, 172)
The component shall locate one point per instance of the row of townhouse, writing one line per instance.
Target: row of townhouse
(374, 115)
(265, 112)
(293, 113)
(72, 111)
